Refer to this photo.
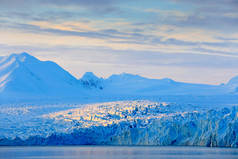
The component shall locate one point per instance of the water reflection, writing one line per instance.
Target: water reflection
(114, 152)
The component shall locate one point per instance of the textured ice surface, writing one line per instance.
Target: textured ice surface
(120, 123)
(138, 121)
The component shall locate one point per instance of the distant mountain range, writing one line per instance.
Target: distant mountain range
(22, 75)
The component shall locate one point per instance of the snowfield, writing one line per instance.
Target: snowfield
(25, 78)
(131, 109)
(119, 123)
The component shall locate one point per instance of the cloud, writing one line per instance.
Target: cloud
(210, 3)
(171, 14)
(210, 14)
(180, 34)
(122, 40)
(153, 64)
(95, 6)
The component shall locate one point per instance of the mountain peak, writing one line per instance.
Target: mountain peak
(233, 83)
(90, 80)
(233, 80)
(23, 73)
(23, 54)
(169, 80)
(89, 76)
(21, 57)
(124, 76)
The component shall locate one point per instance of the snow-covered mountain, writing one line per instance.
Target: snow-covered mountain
(126, 84)
(89, 80)
(22, 75)
(135, 122)
(233, 84)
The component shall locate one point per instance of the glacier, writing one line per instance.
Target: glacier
(43, 104)
(121, 123)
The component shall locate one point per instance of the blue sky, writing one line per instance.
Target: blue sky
(187, 40)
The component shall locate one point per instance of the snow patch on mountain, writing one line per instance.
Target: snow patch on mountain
(24, 74)
(233, 84)
(27, 78)
(128, 84)
(89, 80)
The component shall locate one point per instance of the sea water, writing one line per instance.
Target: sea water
(117, 152)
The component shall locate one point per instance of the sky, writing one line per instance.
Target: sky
(192, 41)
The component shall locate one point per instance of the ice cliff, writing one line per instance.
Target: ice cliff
(127, 123)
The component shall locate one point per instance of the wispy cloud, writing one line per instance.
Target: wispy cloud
(181, 34)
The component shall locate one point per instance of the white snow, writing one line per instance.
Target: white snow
(120, 123)
(24, 76)
(89, 80)
(126, 112)
(233, 84)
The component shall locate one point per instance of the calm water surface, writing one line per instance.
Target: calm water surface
(114, 152)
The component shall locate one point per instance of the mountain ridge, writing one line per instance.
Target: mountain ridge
(23, 74)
